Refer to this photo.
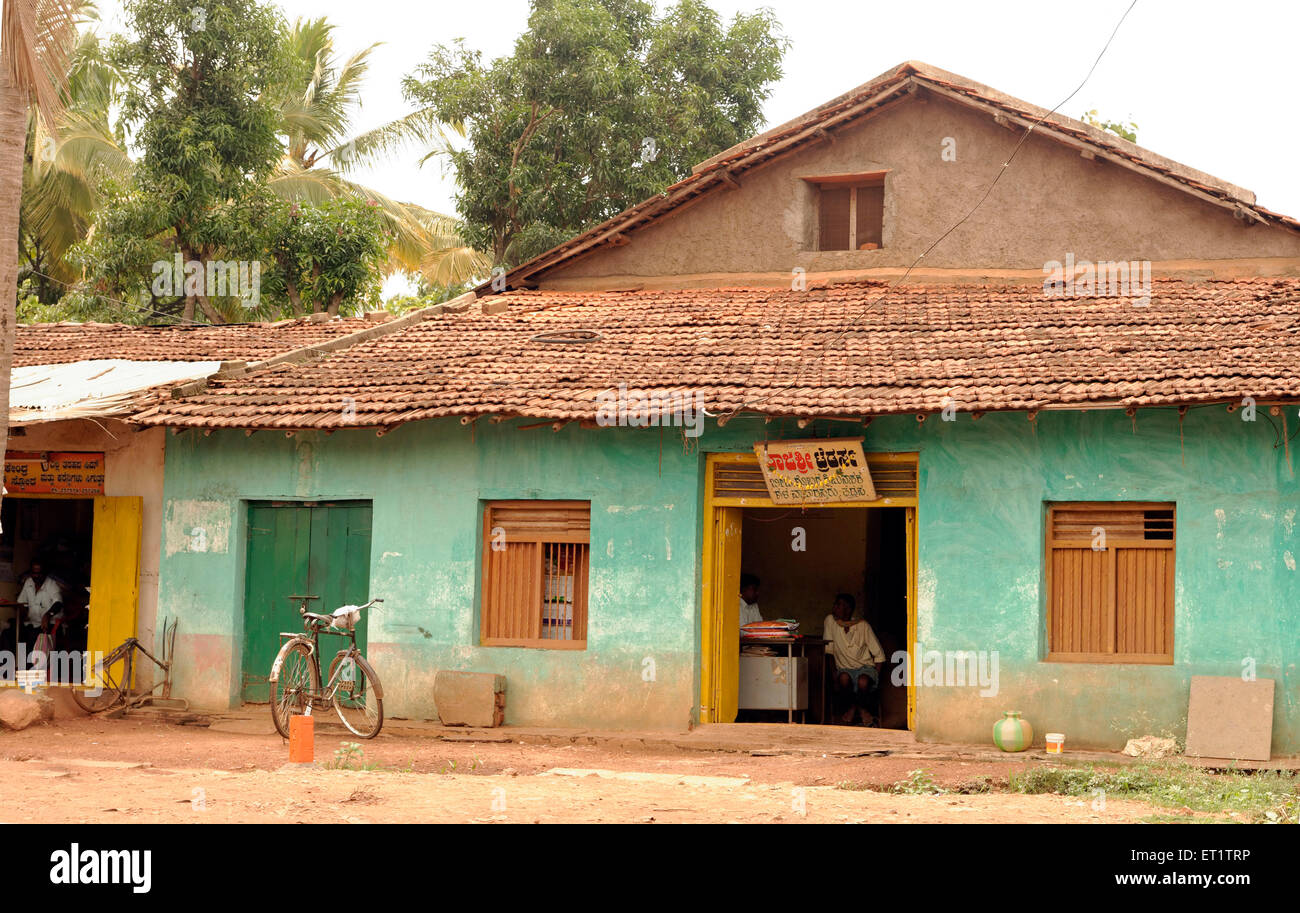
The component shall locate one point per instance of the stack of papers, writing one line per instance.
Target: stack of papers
(759, 630)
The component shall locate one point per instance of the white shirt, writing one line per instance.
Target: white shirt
(39, 601)
(854, 648)
(749, 612)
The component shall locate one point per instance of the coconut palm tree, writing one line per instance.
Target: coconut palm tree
(65, 170)
(36, 39)
(317, 104)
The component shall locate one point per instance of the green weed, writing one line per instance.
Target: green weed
(1265, 796)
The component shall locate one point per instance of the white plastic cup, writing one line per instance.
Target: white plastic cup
(1055, 743)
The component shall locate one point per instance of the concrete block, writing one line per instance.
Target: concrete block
(470, 698)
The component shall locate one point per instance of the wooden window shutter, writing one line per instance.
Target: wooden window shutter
(834, 218)
(871, 215)
(850, 211)
(536, 560)
(1110, 582)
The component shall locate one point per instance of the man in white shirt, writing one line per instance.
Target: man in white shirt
(749, 599)
(858, 660)
(41, 598)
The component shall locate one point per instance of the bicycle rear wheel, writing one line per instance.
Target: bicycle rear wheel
(356, 698)
(298, 681)
(103, 685)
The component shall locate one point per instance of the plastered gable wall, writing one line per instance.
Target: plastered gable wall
(427, 482)
(1050, 202)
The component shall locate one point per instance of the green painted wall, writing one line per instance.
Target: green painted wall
(427, 482)
(983, 486)
(981, 517)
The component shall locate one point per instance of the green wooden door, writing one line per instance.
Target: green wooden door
(314, 549)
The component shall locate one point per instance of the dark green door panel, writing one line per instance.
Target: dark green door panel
(314, 549)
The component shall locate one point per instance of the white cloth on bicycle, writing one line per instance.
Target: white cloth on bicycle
(347, 616)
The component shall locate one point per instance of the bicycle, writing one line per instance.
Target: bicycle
(108, 682)
(295, 674)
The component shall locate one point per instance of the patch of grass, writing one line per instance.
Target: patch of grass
(918, 783)
(1181, 819)
(451, 767)
(1265, 796)
(350, 756)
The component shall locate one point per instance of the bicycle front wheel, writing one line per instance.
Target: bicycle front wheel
(297, 683)
(356, 695)
(103, 684)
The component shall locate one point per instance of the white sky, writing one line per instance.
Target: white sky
(1209, 84)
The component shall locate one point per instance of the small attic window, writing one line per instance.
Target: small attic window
(850, 211)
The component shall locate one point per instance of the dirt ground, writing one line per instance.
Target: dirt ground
(99, 770)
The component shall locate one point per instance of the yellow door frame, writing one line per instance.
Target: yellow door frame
(114, 571)
(719, 603)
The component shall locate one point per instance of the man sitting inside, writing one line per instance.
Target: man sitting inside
(749, 599)
(858, 660)
(41, 599)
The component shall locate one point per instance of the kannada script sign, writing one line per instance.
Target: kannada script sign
(816, 471)
(54, 473)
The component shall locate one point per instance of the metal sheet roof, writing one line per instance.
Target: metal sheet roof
(92, 389)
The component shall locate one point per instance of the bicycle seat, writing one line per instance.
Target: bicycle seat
(322, 619)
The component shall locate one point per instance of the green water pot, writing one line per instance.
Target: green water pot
(1011, 733)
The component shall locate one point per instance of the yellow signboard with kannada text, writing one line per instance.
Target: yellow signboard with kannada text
(818, 471)
(54, 473)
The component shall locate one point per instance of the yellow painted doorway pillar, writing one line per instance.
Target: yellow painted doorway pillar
(720, 629)
(114, 571)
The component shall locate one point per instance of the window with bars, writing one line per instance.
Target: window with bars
(1110, 582)
(850, 212)
(536, 556)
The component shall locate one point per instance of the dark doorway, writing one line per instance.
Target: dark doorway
(57, 534)
(804, 557)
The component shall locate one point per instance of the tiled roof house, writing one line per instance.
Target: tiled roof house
(84, 489)
(1070, 364)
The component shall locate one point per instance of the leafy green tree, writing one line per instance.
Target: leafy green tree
(197, 76)
(601, 105)
(318, 98)
(246, 117)
(65, 171)
(36, 37)
(426, 295)
(327, 256)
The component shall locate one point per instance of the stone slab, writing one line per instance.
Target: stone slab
(475, 699)
(1230, 718)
